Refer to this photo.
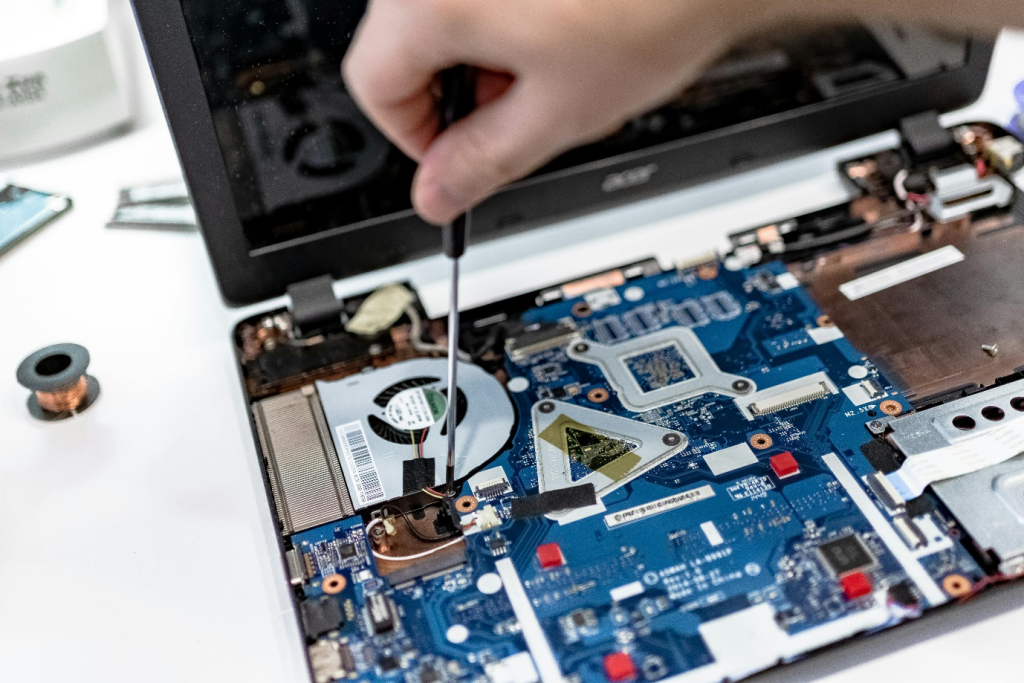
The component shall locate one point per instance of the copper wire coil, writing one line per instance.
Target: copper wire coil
(64, 400)
(57, 377)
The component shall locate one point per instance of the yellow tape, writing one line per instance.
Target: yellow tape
(380, 310)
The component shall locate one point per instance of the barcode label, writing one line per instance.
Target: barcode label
(657, 507)
(361, 467)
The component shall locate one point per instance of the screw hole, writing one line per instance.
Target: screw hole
(964, 422)
(890, 407)
(334, 584)
(1017, 403)
(992, 413)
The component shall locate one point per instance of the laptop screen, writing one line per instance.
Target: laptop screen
(302, 159)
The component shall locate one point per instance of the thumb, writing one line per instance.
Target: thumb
(493, 146)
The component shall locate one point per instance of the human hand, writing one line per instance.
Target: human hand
(553, 74)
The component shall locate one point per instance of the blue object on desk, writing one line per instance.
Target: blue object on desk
(24, 211)
(1017, 125)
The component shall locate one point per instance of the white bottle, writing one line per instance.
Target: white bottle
(61, 80)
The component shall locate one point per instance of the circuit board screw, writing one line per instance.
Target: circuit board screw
(581, 348)
(671, 439)
(546, 407)
(380, 538)
(990, 349)
(741, 385)
(875, 425)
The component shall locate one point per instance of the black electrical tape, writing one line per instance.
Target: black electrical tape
(417, 475)
(554, 501)
(881, 455)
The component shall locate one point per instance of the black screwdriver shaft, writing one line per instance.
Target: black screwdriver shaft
(458, 98)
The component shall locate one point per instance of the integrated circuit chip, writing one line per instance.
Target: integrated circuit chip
(846, 554)
(659, 368)
(381, 612)
(594, 450)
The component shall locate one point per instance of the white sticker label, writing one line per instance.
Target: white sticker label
(415, 409)
(630, 590)
(824, 335)
(658, 506)
(711, 531)
(901, 272)
(356, 450)
(787, 281)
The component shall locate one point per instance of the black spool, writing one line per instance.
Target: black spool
(58, 371)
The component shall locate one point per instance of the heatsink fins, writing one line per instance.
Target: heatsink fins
(305, 474)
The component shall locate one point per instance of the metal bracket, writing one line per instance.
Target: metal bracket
(959, 192)
(706, 376)
(650, 445)
(314, 305)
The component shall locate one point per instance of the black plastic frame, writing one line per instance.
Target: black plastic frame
(247, 275)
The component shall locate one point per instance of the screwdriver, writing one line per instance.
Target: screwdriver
(458, 97)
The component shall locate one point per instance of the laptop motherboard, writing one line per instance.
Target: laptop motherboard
(691, 474)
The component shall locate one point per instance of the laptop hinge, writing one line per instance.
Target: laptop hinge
(925, 137)
(314, 307)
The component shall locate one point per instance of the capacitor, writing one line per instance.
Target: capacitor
(56, 376)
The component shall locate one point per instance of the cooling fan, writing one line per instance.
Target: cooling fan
(382, 419)
(417, 394)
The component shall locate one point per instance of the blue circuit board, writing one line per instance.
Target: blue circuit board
(652, 592)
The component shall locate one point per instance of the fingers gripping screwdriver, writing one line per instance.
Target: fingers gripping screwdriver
(458, 97)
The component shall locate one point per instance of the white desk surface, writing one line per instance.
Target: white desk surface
(134, 538)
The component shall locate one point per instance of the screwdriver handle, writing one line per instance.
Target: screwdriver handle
(458, 98)
(458, 94)
(453, 237)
